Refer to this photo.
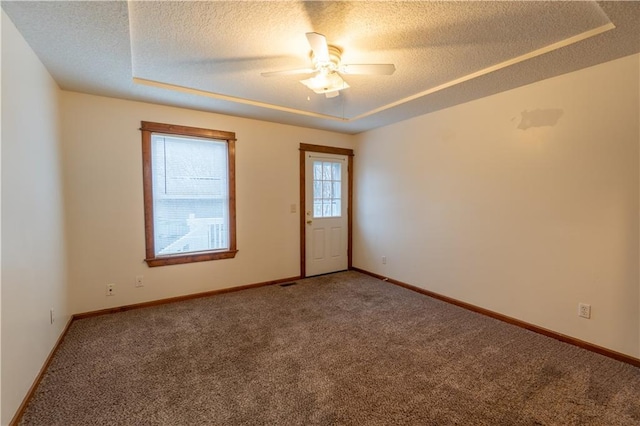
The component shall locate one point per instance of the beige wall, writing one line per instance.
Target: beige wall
(103, 180)
(33, 235)
(523, 222)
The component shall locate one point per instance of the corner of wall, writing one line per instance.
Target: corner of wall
(33, 239)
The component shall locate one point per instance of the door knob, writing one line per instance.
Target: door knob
(309, 222)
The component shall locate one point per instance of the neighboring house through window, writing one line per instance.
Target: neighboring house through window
(189, 193)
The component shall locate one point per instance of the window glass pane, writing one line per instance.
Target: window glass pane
(327, 189)
(326, 209)
(336, 171)
(317, 170)
(336, 190)
(317, 189)
(327, 171)
(190, 194)
(336, 208)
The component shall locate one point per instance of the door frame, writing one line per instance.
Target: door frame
(304, 149)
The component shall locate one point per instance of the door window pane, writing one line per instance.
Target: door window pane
(336, 208)
(326, 168)
(336, 171)
(336, 190)
(327, 181)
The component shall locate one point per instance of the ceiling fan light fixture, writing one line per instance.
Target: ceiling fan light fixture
(325, 83)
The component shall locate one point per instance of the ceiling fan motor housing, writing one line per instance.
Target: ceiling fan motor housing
(335, 54)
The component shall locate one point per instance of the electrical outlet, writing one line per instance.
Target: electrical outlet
(139, 281)
(584, 310)
(384, 260)
(111, 288)
(52, 318)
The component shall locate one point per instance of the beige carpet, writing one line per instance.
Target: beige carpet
(342, 349)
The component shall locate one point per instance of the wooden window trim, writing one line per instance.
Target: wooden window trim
(148, 128)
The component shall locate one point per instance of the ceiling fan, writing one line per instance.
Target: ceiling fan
(327, 68)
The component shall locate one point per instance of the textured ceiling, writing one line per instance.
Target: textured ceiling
(209, 55)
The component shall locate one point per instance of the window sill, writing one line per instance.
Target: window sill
(190, 258)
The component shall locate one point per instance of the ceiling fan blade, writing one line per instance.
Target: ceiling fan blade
(368, 69)
(318, 44)
(288, 72)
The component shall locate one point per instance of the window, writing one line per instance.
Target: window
(327, 177)
(189, 194)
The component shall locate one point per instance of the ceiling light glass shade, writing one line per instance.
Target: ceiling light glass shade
(325, 83)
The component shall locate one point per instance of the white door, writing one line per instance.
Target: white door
(326, 199)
